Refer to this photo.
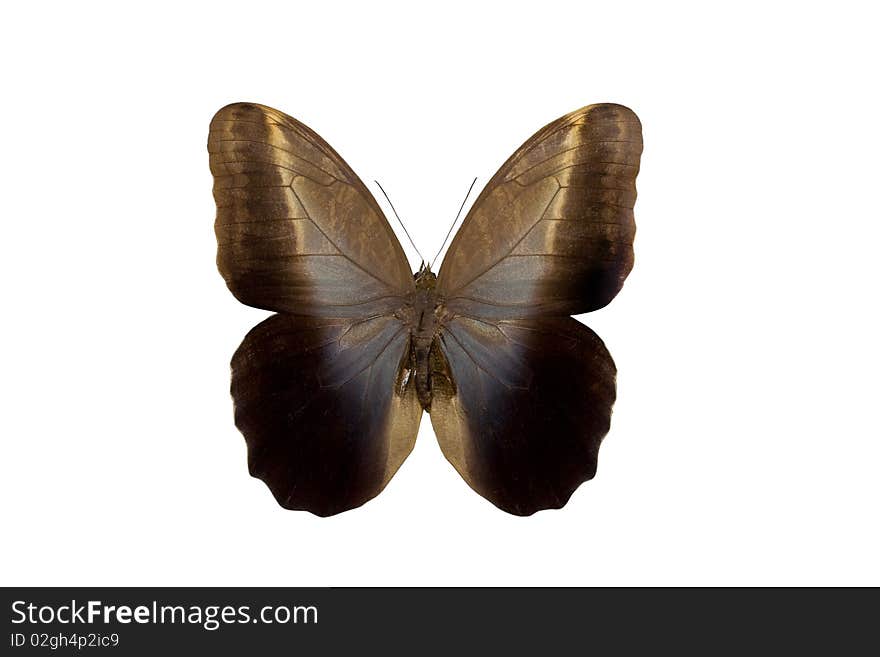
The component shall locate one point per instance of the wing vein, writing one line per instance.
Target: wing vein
(568, 150)
(471, 358)
(509, 251)
(336, 246)
(372, 362)
(283, 150)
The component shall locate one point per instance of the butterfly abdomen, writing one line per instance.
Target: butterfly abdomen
(421, 353)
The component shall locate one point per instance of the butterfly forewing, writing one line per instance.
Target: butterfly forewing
(552, 231)
(297, 230)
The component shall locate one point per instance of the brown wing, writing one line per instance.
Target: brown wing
(297, 230)
(523, 407)
(326, 422)
(552, 232)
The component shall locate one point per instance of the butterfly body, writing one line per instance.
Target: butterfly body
(329, 391)
(420, 315)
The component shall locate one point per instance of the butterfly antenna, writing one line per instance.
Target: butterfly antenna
(400, 222)
(458, 214)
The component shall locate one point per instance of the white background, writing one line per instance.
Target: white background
(744, 445)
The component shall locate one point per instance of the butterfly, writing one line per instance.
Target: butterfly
(329, 391)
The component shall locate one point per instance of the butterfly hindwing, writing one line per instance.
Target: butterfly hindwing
(531, 402)
(317, 401)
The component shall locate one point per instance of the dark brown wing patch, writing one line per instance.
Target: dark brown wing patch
(524, 425)
(316, 400)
